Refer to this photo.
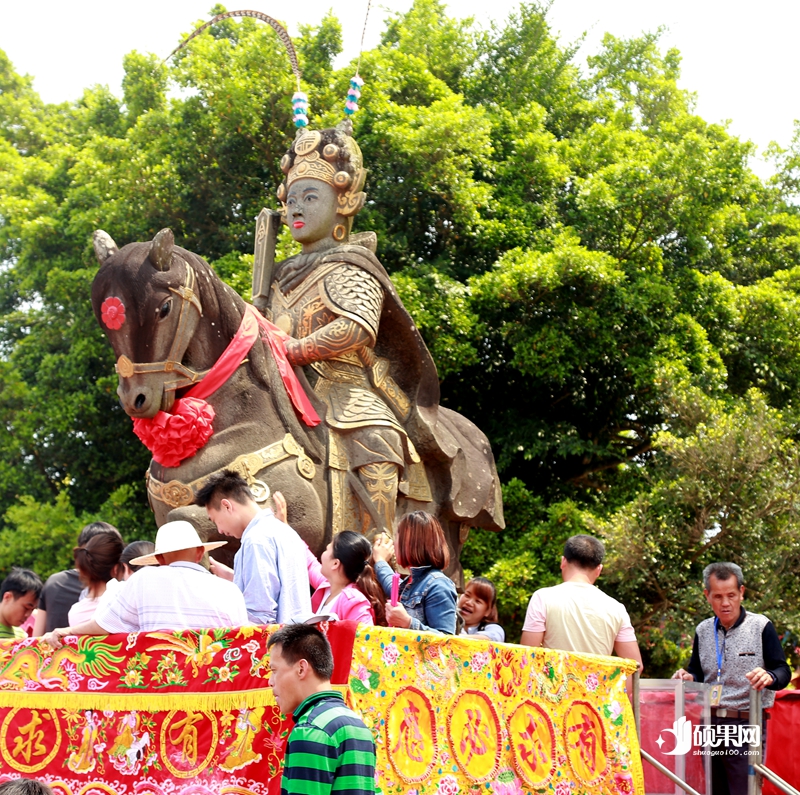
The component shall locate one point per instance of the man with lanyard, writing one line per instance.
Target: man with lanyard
(733, 652)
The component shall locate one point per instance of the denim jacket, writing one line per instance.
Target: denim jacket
(428, 595)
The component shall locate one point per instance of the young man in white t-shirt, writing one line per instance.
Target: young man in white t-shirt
(576, 615)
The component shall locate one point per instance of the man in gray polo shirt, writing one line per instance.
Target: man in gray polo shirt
(735, 651)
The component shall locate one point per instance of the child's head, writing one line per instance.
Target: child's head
(419, 541)
(478, 603)
(19, 595)
(348, 556)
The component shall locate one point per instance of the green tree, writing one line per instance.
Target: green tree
(726, 487)
(604, 283)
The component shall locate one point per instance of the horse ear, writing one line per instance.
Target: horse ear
(161, 249)
(104, 245)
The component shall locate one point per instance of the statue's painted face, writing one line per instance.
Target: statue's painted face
(311, 210)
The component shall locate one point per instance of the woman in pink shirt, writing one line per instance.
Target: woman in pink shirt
(345, 582)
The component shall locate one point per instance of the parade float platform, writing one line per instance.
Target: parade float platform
(191, 713)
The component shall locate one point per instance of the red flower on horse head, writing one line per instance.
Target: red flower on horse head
(112, 311)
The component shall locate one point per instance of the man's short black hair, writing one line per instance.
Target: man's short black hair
(92, 529)
(305, 642)
(24, 786)
(20, 582)
(722, 571)
(586, 552)
(227, 485)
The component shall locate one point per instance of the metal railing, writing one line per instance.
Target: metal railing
(757, 771)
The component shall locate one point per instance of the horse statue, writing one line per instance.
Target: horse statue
(170, 319)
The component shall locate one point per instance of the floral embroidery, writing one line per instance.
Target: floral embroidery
(624, 783)
(613, 712)
(390, 654)
(448, 785)
(592, 682)
(562, 788)
(479, 661)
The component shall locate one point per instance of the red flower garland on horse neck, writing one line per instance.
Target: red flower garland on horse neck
(174, 437)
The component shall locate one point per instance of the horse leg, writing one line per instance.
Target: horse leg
(306, 501)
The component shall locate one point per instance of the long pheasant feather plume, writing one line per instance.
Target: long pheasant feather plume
(274, 24)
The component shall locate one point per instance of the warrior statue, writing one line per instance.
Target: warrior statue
(364, 357)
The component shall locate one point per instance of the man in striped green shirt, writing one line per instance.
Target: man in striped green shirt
(329, 749)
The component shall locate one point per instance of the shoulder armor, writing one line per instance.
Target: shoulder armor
(352, 292)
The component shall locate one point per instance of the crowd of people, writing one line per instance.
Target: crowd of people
(275, 578)
(397, 582)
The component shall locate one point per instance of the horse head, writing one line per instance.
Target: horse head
(147, 299)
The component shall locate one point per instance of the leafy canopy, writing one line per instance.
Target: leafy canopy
(607, 288)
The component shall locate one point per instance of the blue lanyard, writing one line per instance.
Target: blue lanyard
(720, 654)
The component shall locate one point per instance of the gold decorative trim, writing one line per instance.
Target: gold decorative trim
(177, 494)
(152, 702)
(311, 166)
(124, 367)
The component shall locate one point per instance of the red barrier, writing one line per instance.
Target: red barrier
(658, 715)
(783, 729)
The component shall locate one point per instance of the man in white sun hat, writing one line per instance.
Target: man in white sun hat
(173, 591)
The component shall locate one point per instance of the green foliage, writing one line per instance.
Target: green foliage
(42, 535)
(607, 288)
(39, 536)
(726, 487)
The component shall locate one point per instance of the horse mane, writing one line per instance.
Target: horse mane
(230, 306)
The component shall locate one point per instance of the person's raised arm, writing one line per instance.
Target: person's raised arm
(382, 551)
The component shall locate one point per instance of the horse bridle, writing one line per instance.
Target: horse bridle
(172, 364)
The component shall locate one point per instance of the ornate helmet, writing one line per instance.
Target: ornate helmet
(331, 156)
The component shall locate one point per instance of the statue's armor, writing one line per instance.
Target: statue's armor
(366, 432)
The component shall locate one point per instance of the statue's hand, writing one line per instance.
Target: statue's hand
(261, 303)
(294, 351)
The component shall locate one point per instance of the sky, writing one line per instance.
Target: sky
(741, 61)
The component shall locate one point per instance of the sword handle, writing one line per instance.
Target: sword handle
(268, 225)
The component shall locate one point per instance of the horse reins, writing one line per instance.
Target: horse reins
(172, 364)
